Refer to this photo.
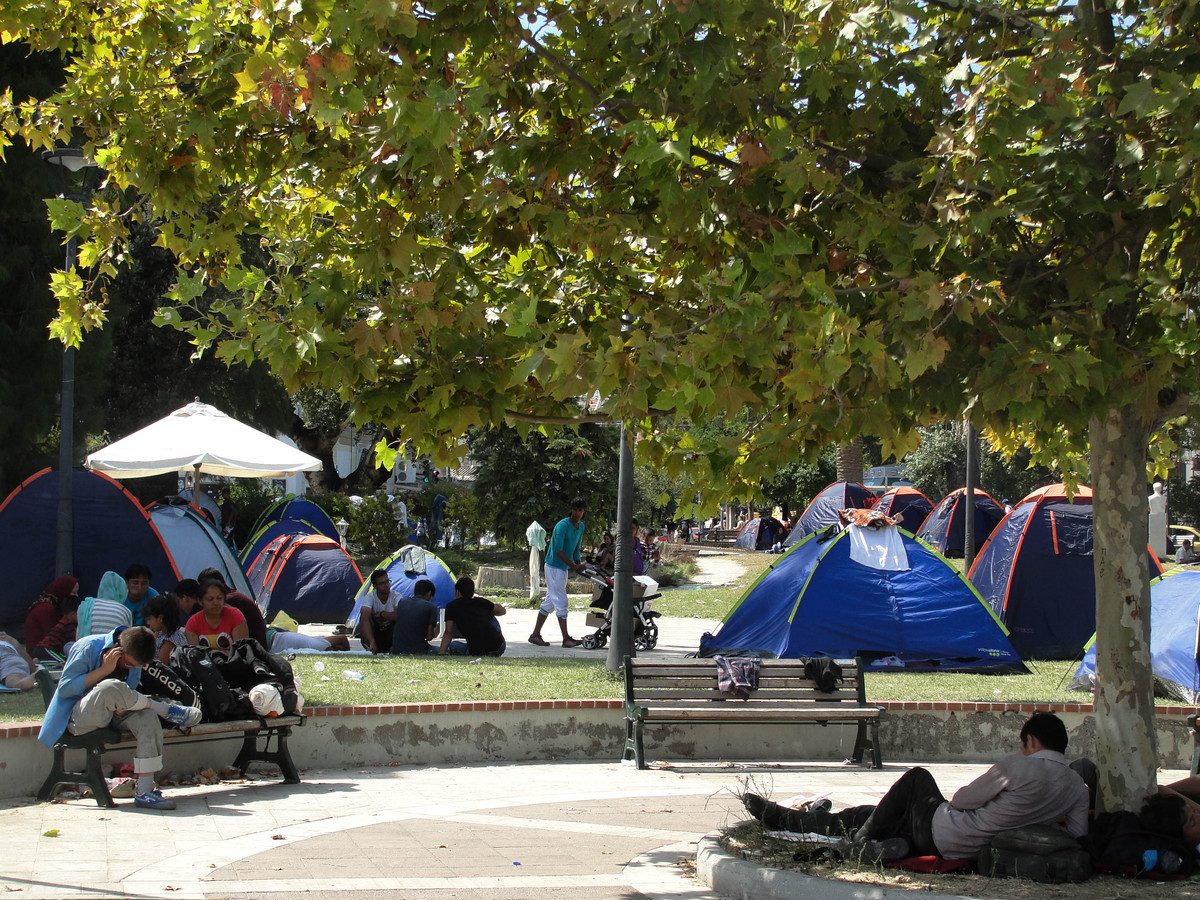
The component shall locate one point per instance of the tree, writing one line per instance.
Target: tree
(536, 476)
(835, 219)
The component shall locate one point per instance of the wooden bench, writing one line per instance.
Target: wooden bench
(96, 743)
(684, 692)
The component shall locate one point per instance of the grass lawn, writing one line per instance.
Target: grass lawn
(436, 679)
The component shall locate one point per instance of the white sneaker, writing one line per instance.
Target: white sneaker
(183, 716)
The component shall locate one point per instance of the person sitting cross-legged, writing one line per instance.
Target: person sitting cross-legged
(476, 619)
(416, 621)
(1033, 787)
(98, 689)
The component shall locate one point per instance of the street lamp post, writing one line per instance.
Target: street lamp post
(621, 644)
(69, 160)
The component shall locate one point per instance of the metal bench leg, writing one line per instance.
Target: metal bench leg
(281, 756)
(92, 776)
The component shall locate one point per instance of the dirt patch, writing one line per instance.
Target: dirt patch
(752, 842)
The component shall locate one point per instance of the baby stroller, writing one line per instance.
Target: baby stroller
(645, 630)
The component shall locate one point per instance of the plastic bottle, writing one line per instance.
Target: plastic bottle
(351, 675)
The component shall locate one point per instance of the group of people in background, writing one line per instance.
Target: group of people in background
(407, 626)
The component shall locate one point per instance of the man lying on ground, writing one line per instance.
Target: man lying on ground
(1032, 787)
(17, 667)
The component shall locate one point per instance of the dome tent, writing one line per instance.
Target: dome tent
(1037, 573)
(111, 532)
(195, 544)
(907, 505)
(288, 515)
(308, 576)
(1174, 611)
(825, 598)
(824, 509)
(405, 568)
(945, 527)
(760, 533)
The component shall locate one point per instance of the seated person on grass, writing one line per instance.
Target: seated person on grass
(163, 618)
(256, 625)
(1032, 787)
(138, 591)
(416, 621)
(98, 689)
(17, 667)
(476, 619)
(1186, 554)
(50, 621)
(107, 610)
(216, 626)
(377, 615)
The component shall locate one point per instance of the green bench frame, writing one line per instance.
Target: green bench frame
(684, 692)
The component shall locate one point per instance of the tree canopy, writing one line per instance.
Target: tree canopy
(843, 218)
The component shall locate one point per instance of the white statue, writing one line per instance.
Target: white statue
(1156, 501)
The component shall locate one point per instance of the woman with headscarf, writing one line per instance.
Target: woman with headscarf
(50, 621)
(107, 610)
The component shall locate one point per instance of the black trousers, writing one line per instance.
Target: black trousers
(905, 811)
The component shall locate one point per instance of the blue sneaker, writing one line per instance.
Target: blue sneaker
(183, 716)
(153, 800)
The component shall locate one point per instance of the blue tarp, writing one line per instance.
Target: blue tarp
(1037, 573)
(403, 568)
(818, 601)
(945, 528)
(1174, 605)
(823, 511)
(111, 531)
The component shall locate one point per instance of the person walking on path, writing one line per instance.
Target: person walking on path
(1032, 787)
(562, 557)
(536, 535)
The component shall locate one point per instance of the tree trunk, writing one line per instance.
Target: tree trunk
(1126, 750)
(850, 461)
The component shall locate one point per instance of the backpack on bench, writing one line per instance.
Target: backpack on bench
(219, 700)
(250, 664)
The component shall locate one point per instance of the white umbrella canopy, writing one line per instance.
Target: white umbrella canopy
(202, 438)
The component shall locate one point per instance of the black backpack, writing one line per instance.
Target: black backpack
(219, 700)
(250, 664)
(1118, 843)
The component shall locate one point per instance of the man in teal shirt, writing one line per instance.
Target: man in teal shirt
(561, 557)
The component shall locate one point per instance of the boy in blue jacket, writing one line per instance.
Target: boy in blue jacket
(98, 689)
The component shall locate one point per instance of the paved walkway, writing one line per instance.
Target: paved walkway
(585, 831)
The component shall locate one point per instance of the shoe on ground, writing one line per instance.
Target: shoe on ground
(183, 716)
(570, 643)
(153, 800)
(121, 787)
(538, 640)
(871, 852)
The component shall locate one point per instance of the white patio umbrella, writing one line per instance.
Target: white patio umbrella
(202, 438)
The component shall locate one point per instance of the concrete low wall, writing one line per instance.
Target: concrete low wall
(449, 733)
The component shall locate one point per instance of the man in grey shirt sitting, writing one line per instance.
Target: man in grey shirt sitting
(416, 621)
(1033, 787)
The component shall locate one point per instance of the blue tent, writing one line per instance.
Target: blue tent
(945, 527)
(818, 600)
(405, 568)
(111, 532)
(1174, 602)
(907, 505)
(308, 576)
(760, 533)
(823, 511)
(289, 515)
(1037, 574)
(195, 543)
